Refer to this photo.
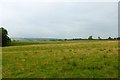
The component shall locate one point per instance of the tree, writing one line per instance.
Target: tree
(99, 38)
(118, 38)
(109, 38)
(90, 38)
(4, 39)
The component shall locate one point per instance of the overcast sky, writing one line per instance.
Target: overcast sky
(59, 18)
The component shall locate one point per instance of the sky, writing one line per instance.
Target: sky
(59, 18)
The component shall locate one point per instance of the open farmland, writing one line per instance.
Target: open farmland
(61, 59)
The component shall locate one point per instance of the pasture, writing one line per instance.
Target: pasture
(61, 59)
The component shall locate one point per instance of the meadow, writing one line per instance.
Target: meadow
(61, 59)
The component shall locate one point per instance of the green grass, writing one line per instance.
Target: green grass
(0, 62)
(61, 59)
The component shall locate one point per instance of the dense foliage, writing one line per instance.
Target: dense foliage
(4, 39)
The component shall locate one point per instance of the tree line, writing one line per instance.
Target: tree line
(5, 40)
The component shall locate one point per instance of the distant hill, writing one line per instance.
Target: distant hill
(35, 39)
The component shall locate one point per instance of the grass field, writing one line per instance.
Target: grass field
(61, 59)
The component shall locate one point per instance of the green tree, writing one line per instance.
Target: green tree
(99, 38)
(110, 38)
(4, 39)
(90, 38)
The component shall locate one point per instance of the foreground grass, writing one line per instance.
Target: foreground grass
(0, 63)
(61, 59)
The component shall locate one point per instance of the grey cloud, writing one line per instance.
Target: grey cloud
(60, 20)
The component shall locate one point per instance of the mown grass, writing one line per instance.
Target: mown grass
(61, 59)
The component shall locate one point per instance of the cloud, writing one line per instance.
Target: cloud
(54, 1)
(60, 20)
